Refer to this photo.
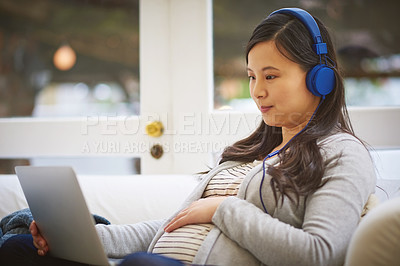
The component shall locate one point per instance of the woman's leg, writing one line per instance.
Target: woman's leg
(149, 259)
(20, 251)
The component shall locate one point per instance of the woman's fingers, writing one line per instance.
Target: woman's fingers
(176, 223)
(179, 216)
(38, 241)
(33, 228)
(200, 211)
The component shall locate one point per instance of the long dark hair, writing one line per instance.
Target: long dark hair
(301, 166)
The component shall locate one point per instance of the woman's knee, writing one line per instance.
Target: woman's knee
(17, 249)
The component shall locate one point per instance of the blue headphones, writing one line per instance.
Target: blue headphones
(320, 79)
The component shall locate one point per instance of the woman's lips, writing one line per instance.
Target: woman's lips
(265, 109)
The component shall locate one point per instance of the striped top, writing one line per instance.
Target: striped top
(184, 242)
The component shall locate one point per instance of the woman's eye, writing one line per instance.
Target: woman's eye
(251, 77)
(270, 77)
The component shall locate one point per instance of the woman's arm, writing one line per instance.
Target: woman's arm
(121, 240)
(330, 217)
(118, 240)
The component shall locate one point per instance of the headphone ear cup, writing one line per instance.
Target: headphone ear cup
(321, 80)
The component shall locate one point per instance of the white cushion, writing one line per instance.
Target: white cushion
(121, 199)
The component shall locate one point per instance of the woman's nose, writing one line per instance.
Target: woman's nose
(260, 90)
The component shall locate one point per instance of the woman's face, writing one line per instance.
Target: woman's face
(278, 87)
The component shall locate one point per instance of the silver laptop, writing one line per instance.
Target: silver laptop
(62, 216)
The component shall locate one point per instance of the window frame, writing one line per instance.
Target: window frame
(176, 81)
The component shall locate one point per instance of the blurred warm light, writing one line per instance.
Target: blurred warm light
(225, 107)
(64, 58)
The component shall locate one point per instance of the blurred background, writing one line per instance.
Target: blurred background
(68, 58)
(74, 58)
(365, 33)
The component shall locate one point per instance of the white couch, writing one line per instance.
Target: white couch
(126, 199)
(121, 199)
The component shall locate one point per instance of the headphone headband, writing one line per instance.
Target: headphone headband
(319, 46)
(320, 79)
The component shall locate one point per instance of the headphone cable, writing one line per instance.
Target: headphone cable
(272, 154)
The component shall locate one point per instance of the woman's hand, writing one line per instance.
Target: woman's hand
(38, 241)
(200, 211)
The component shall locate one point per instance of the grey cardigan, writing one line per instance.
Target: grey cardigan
(317, 232)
